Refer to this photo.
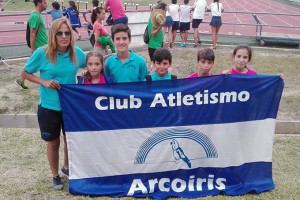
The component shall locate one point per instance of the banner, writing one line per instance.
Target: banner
(186, 138)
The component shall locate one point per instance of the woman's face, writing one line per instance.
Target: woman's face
(63, 37)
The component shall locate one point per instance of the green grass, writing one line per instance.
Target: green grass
(25, 173)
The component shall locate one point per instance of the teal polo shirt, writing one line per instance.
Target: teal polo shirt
(63, 71)
(155, 77)
(134, 69)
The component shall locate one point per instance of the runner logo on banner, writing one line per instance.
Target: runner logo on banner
(186, 138)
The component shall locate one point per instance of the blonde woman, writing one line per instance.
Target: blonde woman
(57, 64)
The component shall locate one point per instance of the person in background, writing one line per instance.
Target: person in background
(185, 22)
(73, 15)
(198, 15)
(117, 11)
(174, 13)
(38, 35)
(57, 63)
(55, 12)
(88, 24)
(168, 26)
(216, 9)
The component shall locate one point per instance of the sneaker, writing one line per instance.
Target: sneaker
(195, 46)
(181, 44)
(184, 45)
(57, 184)
(65, 171)
(199, 42)
(21, 83)
(79, 37)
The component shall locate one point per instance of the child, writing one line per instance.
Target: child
(88, 24)
(198, 15)
(205, 62)
(95, 67)
(101, 38)
(216, 21)
(162, 61)
(185, 22)
(125, 66)
(241, 56)
(174, 13)
(73, 15)
(56, 13)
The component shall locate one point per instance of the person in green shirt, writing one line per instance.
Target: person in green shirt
(155, 25)
(38, 35)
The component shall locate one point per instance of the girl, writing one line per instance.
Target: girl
(168, 26)
(216, 21)
(73, 15)
(241, 56)
(95, 67)
(174, 13)
(98, 15)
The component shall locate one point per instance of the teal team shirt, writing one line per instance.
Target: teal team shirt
(64, 72)
(155, 77)
(134, 69)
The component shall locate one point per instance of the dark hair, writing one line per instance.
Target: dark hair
(206, 54)
(174, 1)
(94, 14)
(55, 5)
(243, 47)
(162, 54)
(186, 1)
(161, 5)
(37, 1)
(95, 3)
(73, 5)
(120, 28)
(218, 3)
(96, 54)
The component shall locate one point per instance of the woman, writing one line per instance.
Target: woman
(216, 22)
(57, 64)
(73, 15)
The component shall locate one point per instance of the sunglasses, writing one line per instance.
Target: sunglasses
(59, 33)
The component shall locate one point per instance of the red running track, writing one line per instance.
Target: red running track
(253, 6)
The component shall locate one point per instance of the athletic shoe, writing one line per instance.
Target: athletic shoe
(21, 83)
(184, 45)
(79, 37)
(57, 184)
(65, 171)
(181, 44)
(199, 42)
(195, 46)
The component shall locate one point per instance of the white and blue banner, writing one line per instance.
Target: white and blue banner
(186, 138)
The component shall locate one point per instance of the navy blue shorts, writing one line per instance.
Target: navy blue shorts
(196, 23)
(185, 26)
(90, 26)
(122, 20)
(50, 122)
(216, 21)
(175, 26)
(169, 21)
(151, 52)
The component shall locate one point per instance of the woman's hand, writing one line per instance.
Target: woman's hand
(51, 84)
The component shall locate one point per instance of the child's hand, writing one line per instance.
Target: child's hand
(281, 75)
(226, 72)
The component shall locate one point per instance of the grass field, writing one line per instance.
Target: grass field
(25, 173)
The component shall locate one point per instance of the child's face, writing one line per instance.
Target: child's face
(241, 58)
(101, 15)
(121, 41)
(205, 66)
(162, 67)
(94, 66)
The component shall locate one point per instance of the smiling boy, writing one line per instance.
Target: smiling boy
(125, 66)
(162, 61)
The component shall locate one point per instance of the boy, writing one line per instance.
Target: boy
(56, 13)
(162, 61)
(205, 62)
(185, 22)
(125, 66)
(198, 16)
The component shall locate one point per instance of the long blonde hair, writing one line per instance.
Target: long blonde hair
(51, 49)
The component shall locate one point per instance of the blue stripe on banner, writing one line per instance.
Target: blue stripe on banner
(181, 183)
(211, 100)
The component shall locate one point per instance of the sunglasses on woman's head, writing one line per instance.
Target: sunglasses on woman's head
(60, 33)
